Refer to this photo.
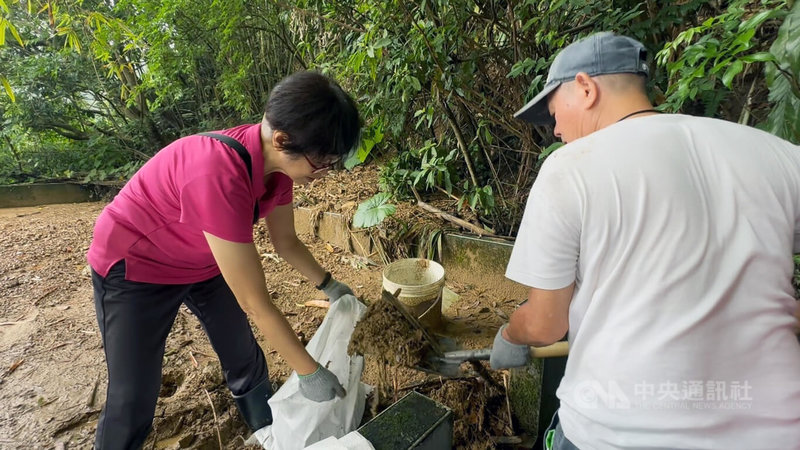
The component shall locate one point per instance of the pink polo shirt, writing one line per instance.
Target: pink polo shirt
(195, 184)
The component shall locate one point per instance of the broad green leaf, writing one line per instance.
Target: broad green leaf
(353, 160)
(550, 149)
(373, 211)
(784, 92)
(14, 33)
(733, 70)
(415, 83)
(755, 21)
(758, 57)
(8, 89)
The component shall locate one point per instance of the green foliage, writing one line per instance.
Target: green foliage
(479, 199)
(423, 168)
(370, 137)
(373, 211)
(104, 85)
(549, 150)
(703, 61)
(783, 79)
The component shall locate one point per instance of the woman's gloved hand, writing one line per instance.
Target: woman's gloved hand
(321, 385)
(334, 289)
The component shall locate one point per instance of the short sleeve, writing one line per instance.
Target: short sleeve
(219, 205)
(545, 254)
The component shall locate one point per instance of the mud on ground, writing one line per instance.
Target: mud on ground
(52, 367)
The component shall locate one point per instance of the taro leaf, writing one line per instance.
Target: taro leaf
(373, 211)
(783, 79)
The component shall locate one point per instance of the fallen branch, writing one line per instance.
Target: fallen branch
(13, 367)
(439, 381)
(55, 322)
(93, 393)
(508, 403)
(484, 373)
(317, 303)
(214, 412)
(178, 348)
(460, 222)
(74, 421)
(41, 297)
(451, 218)
(29, 214)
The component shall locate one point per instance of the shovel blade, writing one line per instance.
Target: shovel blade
(449, 364)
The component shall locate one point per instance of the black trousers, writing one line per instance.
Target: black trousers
(134, 320)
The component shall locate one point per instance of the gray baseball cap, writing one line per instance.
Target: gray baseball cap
(599, 54)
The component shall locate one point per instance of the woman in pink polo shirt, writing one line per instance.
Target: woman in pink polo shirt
(181, 232)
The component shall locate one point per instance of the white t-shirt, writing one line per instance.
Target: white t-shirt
(679, 233)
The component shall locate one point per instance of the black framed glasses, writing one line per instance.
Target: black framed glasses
(321, 168)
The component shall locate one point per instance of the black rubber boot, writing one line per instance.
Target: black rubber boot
(254, 407)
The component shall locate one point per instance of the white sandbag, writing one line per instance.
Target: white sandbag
(299, 422)
(351, 441)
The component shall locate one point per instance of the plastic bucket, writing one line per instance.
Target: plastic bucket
(420, 282)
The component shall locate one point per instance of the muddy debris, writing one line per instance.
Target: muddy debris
(479, 411)
(383, 333)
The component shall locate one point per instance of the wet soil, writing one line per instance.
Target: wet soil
(52, 366)
(400, 343)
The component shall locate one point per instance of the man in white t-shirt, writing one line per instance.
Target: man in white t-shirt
(663, 244)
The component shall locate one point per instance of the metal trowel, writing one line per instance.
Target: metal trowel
(448, 364)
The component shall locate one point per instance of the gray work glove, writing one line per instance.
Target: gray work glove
(335, 289)
(321, 386)
(506, 355)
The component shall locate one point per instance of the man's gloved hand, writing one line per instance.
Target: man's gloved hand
(334, 289)
(321, 386)
(506, 355)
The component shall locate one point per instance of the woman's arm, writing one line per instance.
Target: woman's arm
(280, 223)
(241, 268)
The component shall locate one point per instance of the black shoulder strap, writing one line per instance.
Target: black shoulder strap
(243, 153)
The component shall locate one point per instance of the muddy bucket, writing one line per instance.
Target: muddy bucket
(420, 282)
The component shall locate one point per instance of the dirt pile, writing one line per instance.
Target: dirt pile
(383, 333)
(390, 344)
(479, 411)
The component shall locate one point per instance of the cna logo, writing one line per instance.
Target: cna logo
(592, 394)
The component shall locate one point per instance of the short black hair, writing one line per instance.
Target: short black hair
(319, 118)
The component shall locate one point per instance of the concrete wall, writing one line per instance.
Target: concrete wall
(18, 195)
(463, 256)
(482, 261)
(333, 228)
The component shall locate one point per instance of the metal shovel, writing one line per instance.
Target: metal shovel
(449, 363)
